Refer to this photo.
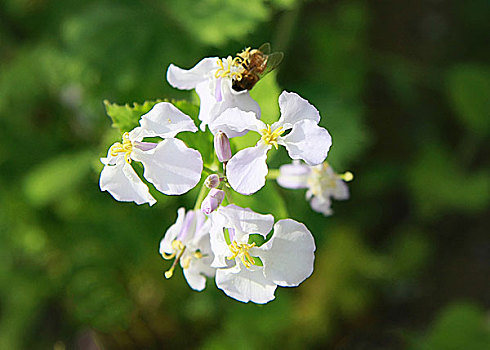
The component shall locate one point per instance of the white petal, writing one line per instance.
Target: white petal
(184, 79)
(246, 221)
(218, 243)
(195, 280)
(294, 175)
(246, 170)
(199, 268)
(341, 191)
(110, 159)
(165, 120)
(288, 256)
(172, 167)
(245, 285)
(237, 121)
(321, 205)
(232, 99)
(122, 182)
(207, 103)
(307, 141)
(172, 233)
(294, 109)
(203, 225)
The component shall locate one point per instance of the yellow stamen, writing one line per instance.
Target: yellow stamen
(125, 147)
(347, 176)
(270, 137)
(221, 72)
(241, 250)
(178, 249)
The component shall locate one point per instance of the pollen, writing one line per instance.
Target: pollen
(269, 137)
(223, 72)
(240, 250)
(125, 147)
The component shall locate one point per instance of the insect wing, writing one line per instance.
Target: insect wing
(273, 60)
(265, 48)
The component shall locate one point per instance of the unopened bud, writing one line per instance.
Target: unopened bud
(212, 181)
(212, 201)
(222, 146)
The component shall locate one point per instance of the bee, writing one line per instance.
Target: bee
(253, 65)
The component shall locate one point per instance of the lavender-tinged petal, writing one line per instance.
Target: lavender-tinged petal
(188, 227)
(187, 79)
(145, 146)
(172, 167)
(294, 175)
(165, 120)
(294, 108)
(246, 284)
(246, 170)
(307, 141)
(288, 257)
(122, 182)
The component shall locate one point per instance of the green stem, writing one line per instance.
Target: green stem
(200, 197)
(209, 170)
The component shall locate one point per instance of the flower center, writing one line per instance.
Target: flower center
(178, 250)
(323, 177)
(125, 147)
(240, 250)
(270, 137)
(223, 72)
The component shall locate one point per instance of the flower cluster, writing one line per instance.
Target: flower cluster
(247, 253)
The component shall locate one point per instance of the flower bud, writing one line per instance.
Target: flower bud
(212, 201)
(222, 146)
(212, 181)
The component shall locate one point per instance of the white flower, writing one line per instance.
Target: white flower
(247, 169)
(169, 165)
(187, 241)
(321, 181)
(212, 78)
(250, 273)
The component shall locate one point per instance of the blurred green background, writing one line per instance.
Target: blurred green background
(402, 86)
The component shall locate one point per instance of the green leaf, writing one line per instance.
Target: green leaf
(126, 117)
(467, 87)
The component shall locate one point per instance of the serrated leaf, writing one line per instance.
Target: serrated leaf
(126, 117)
